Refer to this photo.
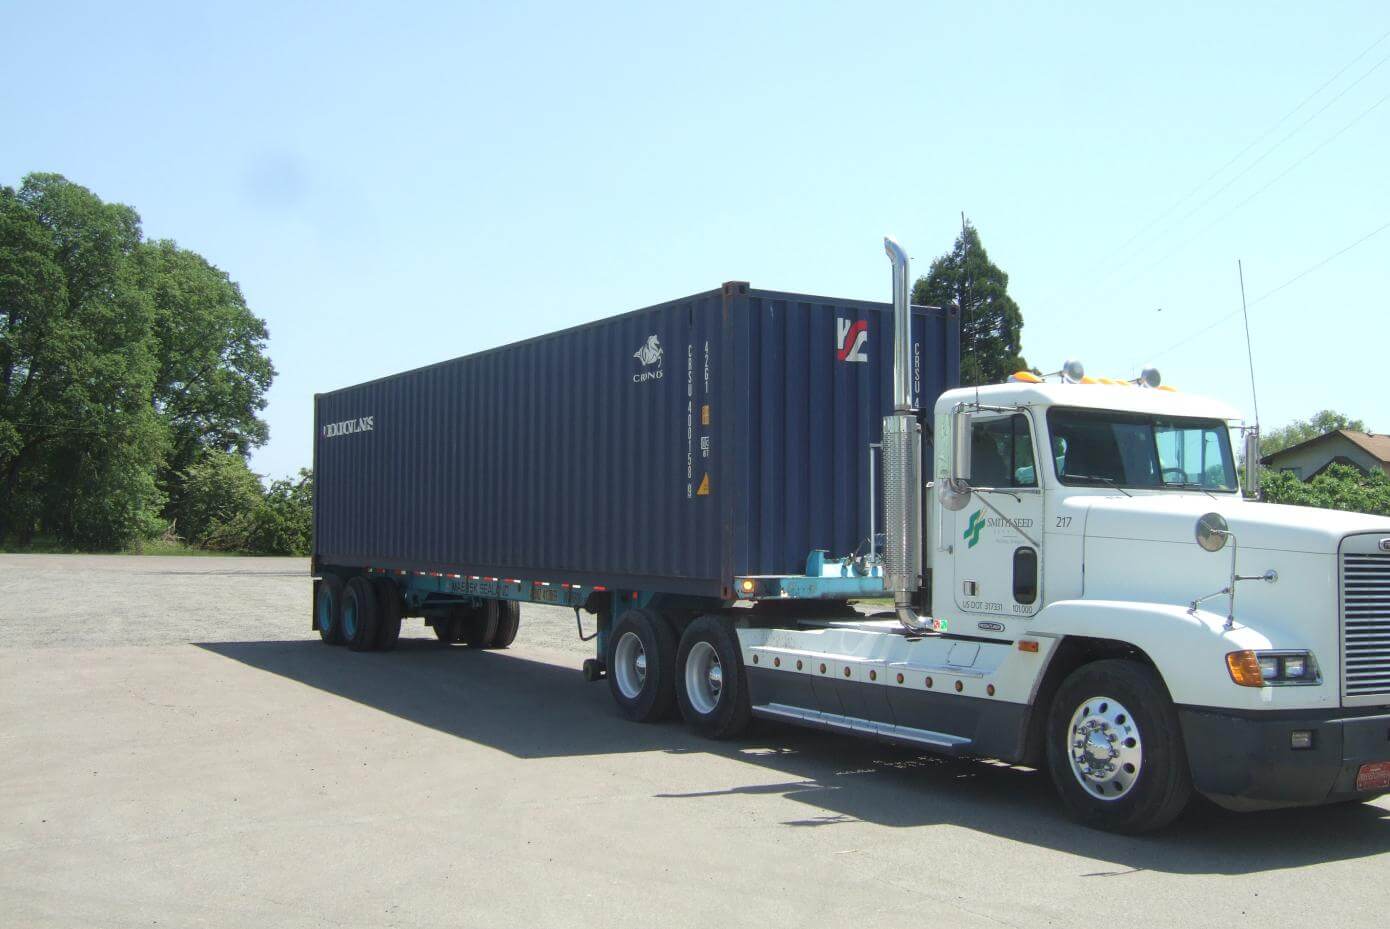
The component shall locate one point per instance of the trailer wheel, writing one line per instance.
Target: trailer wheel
(388, 603)
(711, 686)
(1115, 749)
(641, 663)
(360, 615)
(480, 625)
(508, 622)
(448, 629)
(328, 606)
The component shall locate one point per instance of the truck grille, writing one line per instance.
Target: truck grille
(1365, 623)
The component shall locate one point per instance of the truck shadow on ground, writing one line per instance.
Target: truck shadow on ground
(533, 709)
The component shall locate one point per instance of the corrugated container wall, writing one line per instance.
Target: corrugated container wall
(668, 449)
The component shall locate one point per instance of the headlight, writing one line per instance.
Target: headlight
(1272, 669)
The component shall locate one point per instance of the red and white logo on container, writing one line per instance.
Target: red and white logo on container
(852, 339)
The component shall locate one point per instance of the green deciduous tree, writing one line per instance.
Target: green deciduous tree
(281, 523)
(77, 367)
(218, 488)
(991, 324)
(120, 360)
(1301, 430)
(1339, 487)
(213, 371)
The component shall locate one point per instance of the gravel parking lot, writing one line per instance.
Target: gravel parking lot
(178, 749)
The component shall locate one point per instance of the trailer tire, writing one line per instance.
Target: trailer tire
(328, 608)
(448, 629)
(711, 686)
(1115, 748)
(479, 625)
(388, 602)
(641, 661)
(360, 615)
(508, 622)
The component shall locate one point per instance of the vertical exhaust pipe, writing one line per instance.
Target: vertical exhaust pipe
(902, 328)
(902, 459)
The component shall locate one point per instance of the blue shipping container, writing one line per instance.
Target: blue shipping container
(669, 449)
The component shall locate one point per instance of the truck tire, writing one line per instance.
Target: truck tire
(479, 626)
(1115, 748)
(449, 628)
(360, 615)
(508, 622)
(711, 687)
(328, 608)
(388, 604)
(641, 662)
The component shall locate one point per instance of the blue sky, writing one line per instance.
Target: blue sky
(395, 186)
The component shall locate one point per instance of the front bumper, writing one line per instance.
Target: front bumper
(1243, 760)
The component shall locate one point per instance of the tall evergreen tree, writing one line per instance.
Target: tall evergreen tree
(991, 323)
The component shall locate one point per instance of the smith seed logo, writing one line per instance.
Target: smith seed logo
(974, 528)
(649, 356)
(851, 340)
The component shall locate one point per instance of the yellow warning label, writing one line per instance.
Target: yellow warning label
(704, 487)
(704, 415)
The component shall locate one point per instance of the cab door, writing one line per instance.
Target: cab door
(997, 536)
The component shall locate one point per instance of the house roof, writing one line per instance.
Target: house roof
(1369, 442)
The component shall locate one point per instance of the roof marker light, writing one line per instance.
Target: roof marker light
(1026, 377)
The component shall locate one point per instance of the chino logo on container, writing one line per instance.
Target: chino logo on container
(349, 426)
(651, 357)
(851, 339)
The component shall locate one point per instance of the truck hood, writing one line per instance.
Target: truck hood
(1172, 517)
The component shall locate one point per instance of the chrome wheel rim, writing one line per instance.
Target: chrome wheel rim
(630, 665)
(1104, 748)
(704, 678)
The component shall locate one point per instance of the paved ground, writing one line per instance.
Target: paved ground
(177, 749)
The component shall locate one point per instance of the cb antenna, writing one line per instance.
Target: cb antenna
(1249, 352)
(1252, 436)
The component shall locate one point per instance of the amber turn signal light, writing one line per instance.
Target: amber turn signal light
(1245, 669)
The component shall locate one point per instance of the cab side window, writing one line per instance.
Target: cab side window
(1001, 452)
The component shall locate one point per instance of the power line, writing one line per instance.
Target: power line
(1186, 340)
(1268, 184)
(1115, 268)
(1258, 139)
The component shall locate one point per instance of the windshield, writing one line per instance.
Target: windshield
(1112, 448)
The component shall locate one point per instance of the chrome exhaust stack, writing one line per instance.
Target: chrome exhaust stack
(902, 460)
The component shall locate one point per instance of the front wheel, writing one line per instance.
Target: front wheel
(711, 686)
(1115, 749)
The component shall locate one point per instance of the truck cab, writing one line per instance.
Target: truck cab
(1108, 513)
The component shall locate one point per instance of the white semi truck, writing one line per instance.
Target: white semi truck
(1106, 602)
(1079, 584)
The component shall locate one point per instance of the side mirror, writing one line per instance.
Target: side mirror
(1252, 462)
(960, 447)
(1212, 532)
